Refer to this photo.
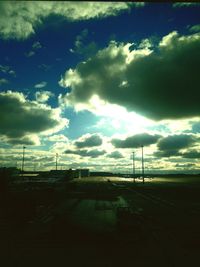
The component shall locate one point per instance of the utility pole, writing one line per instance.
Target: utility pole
(23, 156)
(142, 165)
(34, 166)
(133, 166)
(56, 161)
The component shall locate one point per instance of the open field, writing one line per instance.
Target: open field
(105, 221)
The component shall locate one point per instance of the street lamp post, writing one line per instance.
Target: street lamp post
(56, 161)
(23, 158)
(133, 166)
(142, 165)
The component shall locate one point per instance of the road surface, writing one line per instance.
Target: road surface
(85, 229)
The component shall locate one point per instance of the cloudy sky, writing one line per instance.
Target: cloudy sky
(95, 81)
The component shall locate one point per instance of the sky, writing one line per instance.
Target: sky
(94, 81)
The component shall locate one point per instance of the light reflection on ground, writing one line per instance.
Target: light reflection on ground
(148, 181)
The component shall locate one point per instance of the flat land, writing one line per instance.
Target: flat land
(102, 221)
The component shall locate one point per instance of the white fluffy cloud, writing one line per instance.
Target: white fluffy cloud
(100, 74)
(81, 45)
(185, 4)
(58, 138)
(7, 70)
(20, 19)
(195, 28)
(160, 83)
(43, 96)
(36, 45)
(40, 85)
(22, 120)
(3, 81)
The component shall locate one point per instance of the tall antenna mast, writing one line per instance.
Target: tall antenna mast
(56, 161)
(142, 165)
(133, 166)
(23, 155)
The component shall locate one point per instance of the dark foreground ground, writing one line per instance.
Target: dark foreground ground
(102, 222)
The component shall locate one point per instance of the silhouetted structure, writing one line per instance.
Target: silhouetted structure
(83, 172)
(23, 155)
(6, 175)
(56, 161)
(66, 174)
(102, 174)
(142, 165)
(133, 166)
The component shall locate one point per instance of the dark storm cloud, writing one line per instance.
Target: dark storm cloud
(167, 153)
(161, 84)
(21, 141)
(21, 118)
(92, 153)
(192, 154)
(90, 141)
(171, 145)
(176, 142)
(87, 153)
(69, 151)
(115, 155)
(136, 141)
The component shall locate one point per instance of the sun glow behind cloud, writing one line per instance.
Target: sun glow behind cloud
(116, 117)
(120, 84)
